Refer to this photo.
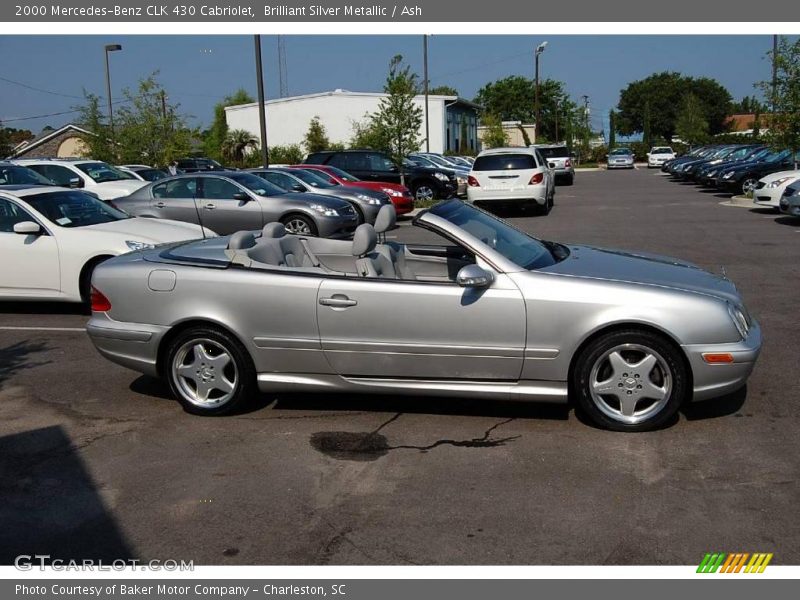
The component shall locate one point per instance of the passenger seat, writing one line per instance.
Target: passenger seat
(370, 263)
(386, 221)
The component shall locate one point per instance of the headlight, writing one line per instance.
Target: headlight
(392, 192)
(134, 245)
(740, 319)
(779, 182)
(368, 199)
(441, 176)
(325, 210)
(728, 175)
(461, 179)
(712, 172)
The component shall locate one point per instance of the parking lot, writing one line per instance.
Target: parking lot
(99, 461)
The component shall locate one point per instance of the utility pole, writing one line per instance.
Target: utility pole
(262, 116)
(425, 85)
(110, 48)
(539, 49)
(587, 133)
(283, 72)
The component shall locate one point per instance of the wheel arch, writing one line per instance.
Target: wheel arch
(89, 266)
(621, 326)
(180, 327)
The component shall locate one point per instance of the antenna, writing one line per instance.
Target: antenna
(282, 70)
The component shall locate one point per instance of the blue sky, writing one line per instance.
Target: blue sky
(199, 70)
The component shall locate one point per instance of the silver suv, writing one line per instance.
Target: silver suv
(558, 158)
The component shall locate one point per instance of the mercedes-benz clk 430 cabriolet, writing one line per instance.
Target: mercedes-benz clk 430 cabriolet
(491, 313)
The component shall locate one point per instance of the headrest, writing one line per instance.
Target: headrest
(273, 230)
(386, 219)
(241, 240)
(364, 239)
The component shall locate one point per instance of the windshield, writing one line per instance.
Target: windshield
(519, 248)
(439, 160)
(208, 162)
(778, 156)
(257, 185)
(13, 174)
(621, 152)
(557, 152)
(661, 151)
(73, 208)
(152, 174)
(310, 178)
(343, 175)
(101, 172)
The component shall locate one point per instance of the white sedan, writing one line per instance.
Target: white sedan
(52, 238)
(769, 189)
(658, 155)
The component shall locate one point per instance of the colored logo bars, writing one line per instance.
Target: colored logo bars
(734, 562)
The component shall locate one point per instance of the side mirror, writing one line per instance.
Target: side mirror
(474, 276)
(394, 169)
(27, 228)
(552, 165)
(298, 188)
(75, 182)
(241, 196)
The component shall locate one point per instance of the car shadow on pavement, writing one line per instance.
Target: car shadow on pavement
(724, 406)
(43, 308)
(49, 504)
(765, 211)
(790, 221)
(17, 357)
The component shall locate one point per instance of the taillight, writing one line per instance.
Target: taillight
(473, 182)
(567, 163)
(538, 178)
(99, 302)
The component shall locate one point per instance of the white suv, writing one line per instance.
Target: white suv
(512, 176)
(100, 178)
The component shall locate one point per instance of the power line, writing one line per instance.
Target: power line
(36, 89)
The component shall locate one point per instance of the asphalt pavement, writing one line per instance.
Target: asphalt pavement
(98, 461)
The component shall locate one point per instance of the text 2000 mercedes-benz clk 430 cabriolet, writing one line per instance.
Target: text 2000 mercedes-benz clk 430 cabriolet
(491, 313)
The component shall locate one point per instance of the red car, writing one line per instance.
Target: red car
(401, 198)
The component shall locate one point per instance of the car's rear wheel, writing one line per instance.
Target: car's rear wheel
(209, 371)
(631, 380)
(299, 225)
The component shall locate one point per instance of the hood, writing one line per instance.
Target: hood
(644, 268)
(322, 199)
(154, 231)
(780, 175)
(115, 189)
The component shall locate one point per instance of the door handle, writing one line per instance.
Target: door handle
(338, 301)
(160, 205)
(210, 206)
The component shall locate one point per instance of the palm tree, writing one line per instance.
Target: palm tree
(239, 143)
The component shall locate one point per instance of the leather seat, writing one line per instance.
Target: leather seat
(370, 263)
(386, 221)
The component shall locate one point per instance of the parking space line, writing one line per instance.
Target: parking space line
(20, 328)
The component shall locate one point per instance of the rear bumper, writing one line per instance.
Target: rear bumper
(531, 193)
(132, 345)
(713, 380)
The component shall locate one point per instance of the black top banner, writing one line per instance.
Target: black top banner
(421, 11)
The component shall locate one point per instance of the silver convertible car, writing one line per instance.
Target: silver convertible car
(490, 313)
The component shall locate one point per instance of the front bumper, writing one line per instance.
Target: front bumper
(770, 197)
(790, 205)
(713, 380)
(132, 345)
(341, 227)
(615, 165)
(403, 204)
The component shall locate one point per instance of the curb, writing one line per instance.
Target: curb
(740, 201)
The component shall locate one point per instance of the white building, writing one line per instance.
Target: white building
(449, 117)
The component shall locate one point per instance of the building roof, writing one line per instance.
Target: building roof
(348, 93)
(742, 122)
(46, 135)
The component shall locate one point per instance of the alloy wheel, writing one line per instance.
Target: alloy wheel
(749, 185)
(424, 193)
(298, 227)
(205, 373)
(630, 383)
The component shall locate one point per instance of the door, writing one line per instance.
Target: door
(227, 208)
(422, 330)
(38, 253)
(175, 199)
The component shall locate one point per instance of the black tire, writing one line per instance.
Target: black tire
(425, 184)
(300, 218)
(85, 279)
(592, 361)
(241, 364)
(570, 180)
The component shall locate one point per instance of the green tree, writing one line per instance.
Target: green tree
(214, 136)
(514, 99)
(664, 94)
(369, 134)
(316, 137)
(398, 116)
(92, 118)
(149, 128)
(238, 144)
(443, 90)
(784, 123)
(494, 135)
(691, 125)
(290, 154)
(5, 141)
(647, 137)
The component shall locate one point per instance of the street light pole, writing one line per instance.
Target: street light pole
(539, 49)
(262, 114)
(425, 76)
(110, 48)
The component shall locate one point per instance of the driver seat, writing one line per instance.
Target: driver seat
(370, 263)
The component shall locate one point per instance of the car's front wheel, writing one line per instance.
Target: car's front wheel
(424, 192)
(299, 225)
(749, 185)
(630, 380)
(209, 371)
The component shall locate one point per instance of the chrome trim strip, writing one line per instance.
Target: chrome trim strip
(421, 349)
(278, 343)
